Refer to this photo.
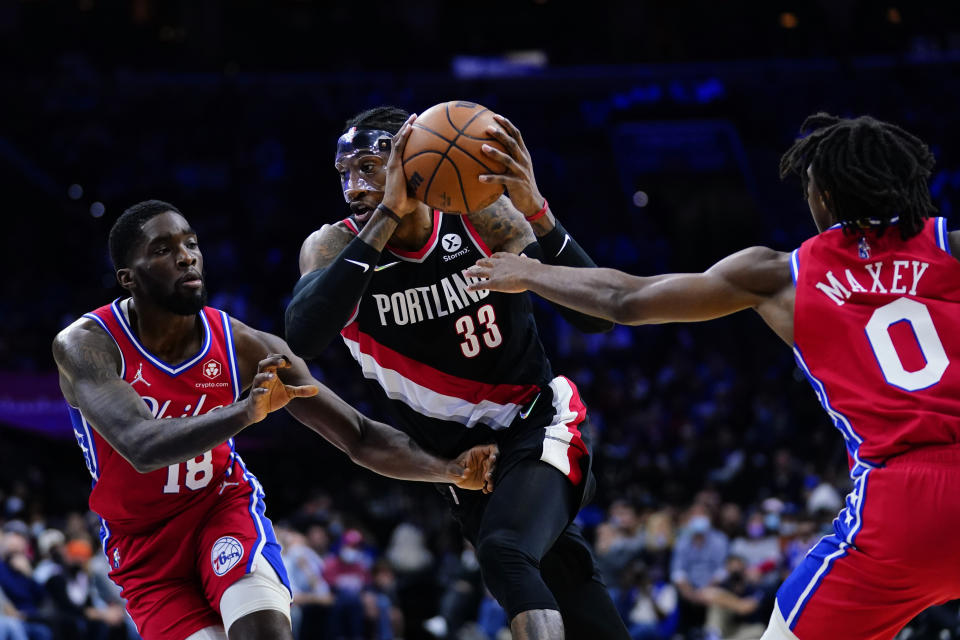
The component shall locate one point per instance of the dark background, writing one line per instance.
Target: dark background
(231, 110)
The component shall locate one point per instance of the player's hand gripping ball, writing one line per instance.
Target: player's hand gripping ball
(443, 158)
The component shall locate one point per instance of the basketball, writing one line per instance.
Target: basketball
(443, 157)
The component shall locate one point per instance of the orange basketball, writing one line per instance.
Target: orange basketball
(443, 157)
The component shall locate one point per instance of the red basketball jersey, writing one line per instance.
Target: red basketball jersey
(132, 502)
(877, 332)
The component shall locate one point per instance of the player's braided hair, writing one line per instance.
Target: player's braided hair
(869, 171)
(127, 230)
(386, 117)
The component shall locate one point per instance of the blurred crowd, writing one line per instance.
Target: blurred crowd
(708, 570)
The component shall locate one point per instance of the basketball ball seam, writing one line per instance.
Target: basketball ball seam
(463, 192)
(420, 153)
(417, 125)
(460, 132)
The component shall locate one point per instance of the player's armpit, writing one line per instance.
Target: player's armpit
(502, 227)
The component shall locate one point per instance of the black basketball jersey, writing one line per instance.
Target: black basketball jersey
(455, 364)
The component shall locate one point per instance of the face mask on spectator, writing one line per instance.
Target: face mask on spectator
(699, 524)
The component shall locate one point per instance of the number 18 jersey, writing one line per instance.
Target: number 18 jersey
(457, 365)
(132, 502)
(877, 333)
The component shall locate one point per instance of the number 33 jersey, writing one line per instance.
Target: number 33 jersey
(457, 365)
(129, 501)
(877, 333)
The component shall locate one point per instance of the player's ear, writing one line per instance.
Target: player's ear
(125, 278)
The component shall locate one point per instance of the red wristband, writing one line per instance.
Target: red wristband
(538, 214)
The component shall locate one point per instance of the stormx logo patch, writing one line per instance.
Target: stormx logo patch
(451, 243)
(226, 553)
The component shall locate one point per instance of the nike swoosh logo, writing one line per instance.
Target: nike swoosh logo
(566, 239)
(381, 267)
(363, 265)
(524, 414)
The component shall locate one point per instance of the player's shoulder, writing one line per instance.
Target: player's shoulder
(323, 244)
(84, 343)
(82, 331)
(759, 269)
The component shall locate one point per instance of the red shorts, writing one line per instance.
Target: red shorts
(173, 577)
(893, 553)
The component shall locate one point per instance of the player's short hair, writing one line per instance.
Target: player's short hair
(128, 229)
(385, 117)
(869, 171)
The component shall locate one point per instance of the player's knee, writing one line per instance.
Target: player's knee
(503, 548)
(505, 564)
(260, 591)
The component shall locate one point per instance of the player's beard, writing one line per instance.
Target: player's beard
(179, 301)
(184, 304)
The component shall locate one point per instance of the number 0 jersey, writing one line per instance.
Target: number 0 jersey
(877, 333)
(457, 365)
(132, 502)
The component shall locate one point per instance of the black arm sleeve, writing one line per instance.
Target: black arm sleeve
(557, 247)
(323, 300)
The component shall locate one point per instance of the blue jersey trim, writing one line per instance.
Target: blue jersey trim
(84, 436)
(795, 265)
(266, 544)
(941, 234)
(103, 325)
(231, 355)
(173, 370)
(797, 590)
(851, 437)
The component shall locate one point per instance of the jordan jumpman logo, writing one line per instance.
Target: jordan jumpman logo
(139, 377)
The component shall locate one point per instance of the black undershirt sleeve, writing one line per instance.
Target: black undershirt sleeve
(323, 300)
(559, 248)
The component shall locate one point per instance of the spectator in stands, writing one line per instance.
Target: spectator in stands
(81, 615)
(698, 560)
(760, 547)
(348, 574)
(651, 604)
(619, 541)
(312, 597)
(23, 596)
(737, 607)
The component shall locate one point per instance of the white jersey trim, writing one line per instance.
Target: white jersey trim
(432, 403)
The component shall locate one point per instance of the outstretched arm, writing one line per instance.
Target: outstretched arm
(751, 278)
(89, 365)
(371, 444)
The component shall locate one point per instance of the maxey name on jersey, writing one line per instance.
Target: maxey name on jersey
(897, 277)
(416, 304)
